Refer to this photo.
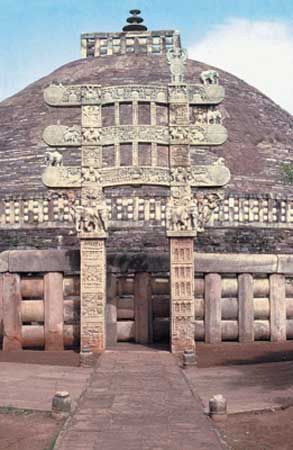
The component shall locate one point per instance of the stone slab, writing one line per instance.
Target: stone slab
(236, 262)
(138, 400)
(44, 261)
(285, 264)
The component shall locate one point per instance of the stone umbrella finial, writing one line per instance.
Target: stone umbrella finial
(135, 22)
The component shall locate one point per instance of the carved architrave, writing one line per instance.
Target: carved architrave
(62, 136)
(62, 177)
(135, 176)
(198, 135)
(91, 94)
(60, 95)
(182, 294)
(142, 93)
(76, 95)
(142, 133)
(93, 294)
(206, 95)
(197, 176)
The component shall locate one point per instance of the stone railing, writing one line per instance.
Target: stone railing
(253, 210)
(237, 297)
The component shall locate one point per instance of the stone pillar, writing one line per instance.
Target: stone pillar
(278, 307)
(12, 339)
(93, 294)
(213, 287)
(142, 303)
(111, 310)
(182, 294)
(54, 311)
(246, 308)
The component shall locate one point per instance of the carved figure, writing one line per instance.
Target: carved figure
(90, 175)
(92, 219)
(181, 174)
(54, 159)
(91, 135)
(197, 134)
(206, 205)
(72, 135)
(181, 211)
(91, 93)
(178, 133)
(176, 57)
(210, 77)
(214, 117)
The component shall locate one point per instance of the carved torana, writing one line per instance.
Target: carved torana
(185, 212)
(201, 94)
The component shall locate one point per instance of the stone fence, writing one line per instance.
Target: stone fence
(237, 297)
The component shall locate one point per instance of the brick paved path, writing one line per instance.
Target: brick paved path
(138, 401)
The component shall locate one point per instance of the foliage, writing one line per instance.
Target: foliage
(287, 170)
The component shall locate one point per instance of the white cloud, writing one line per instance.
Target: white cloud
(259, 52)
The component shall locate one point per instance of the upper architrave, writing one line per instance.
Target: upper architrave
(77, 95)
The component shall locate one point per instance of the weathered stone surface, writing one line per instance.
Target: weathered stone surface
(182, 294)
(43, 261)
(12, 339)
(54, 311)
(111, 310)
(231, 263)
(4, 262)
(285, 264)
(278, 307)
(212, 308)
(142, 304)
(246, 308)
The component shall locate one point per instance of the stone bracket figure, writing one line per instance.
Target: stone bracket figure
(54, 159)
(210, 77)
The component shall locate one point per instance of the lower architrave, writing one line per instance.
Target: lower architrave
(93, 294)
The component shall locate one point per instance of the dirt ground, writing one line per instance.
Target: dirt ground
(259, 431)
(66, 358)
(228, 353)
(26, 430)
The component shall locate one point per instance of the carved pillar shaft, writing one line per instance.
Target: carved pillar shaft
(93, 294)
(182, 294)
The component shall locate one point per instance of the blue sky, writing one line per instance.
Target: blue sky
(38, 36)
